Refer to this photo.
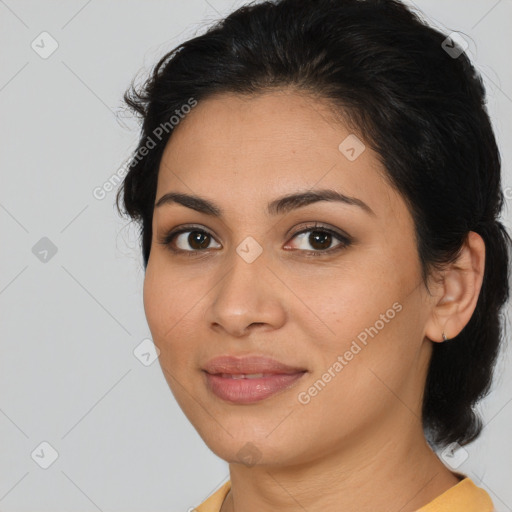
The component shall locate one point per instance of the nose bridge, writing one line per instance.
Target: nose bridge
(243, 297)
(247, 263)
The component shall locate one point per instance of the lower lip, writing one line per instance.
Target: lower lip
(248, 391)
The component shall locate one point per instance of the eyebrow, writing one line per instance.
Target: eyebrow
(278, 206)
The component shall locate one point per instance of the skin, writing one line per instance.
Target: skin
(358, 444)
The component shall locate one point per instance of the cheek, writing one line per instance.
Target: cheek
(171, 309)
(374, 359)
(170, 304)
(363, 324)
(159, 306)
(342, 302)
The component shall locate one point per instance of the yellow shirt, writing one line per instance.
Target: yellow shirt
(462, 497)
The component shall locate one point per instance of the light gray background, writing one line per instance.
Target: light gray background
(68, 374)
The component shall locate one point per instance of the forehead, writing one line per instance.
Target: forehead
(279, 121)
(254, 148)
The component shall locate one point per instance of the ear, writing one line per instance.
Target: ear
(456, 294)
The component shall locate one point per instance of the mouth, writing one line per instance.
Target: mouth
(249, 379)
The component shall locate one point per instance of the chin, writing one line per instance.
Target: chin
(252, 447)
(250, 454)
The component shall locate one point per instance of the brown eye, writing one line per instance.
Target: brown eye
(198, 240)
(318, 241)
(188, 240)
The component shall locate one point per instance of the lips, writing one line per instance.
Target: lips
(248, 365)
(249, 379)
(243, 375)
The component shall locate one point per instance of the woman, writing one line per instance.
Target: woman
(318, 188)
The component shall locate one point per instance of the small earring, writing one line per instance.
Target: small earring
(444, 337)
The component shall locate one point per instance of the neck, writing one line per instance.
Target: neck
(375, 469)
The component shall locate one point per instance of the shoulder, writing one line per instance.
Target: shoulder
(214, 501)
(465, 496)
(462, 497)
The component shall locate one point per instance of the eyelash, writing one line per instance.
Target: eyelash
(344, 240)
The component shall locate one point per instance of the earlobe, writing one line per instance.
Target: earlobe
(458, 291)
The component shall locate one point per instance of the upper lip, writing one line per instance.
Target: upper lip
(234, 365)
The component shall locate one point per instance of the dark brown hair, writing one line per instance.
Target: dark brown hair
(420, 107)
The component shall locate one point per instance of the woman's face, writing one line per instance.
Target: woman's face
(344, 309)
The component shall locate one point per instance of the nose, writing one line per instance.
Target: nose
(248, 297)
